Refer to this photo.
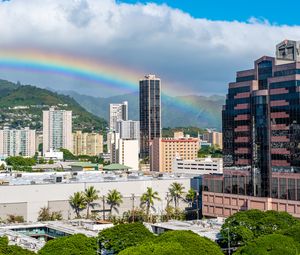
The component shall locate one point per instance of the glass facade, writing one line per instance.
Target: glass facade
(261, 131)
(150, 112)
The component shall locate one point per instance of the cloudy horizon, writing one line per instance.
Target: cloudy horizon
(198, 55)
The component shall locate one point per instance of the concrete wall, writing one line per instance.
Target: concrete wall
(27, 200)
(224, 205)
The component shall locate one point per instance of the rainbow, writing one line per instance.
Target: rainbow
(114, 77)
(110, 76)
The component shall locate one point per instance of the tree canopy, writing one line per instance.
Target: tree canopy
(176, 243)
(246, 225)
(76, 245)
(12, 249)
(122, 236)
(274, 244)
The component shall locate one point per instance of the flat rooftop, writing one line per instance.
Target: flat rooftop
(79, 177)
(207, 228)
(16, 232)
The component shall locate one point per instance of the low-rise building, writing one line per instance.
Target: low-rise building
(25, 195)
(164, 150)
(198, 166)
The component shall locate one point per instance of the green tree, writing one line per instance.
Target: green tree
(122, 236)
(90, 196)
(114, 199)
(183, 242)
(293, 232)
(76, 245)
(77, 202)
(176, 191)
(147, 200)
(11, 218)
(213, 151)
(273, 244)
(191, 196)
(12, 249)
(46, 215)
(244, 226)
(68, 155)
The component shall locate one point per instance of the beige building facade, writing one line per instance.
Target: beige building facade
(90, 144)
(213, 137)
(163, 152)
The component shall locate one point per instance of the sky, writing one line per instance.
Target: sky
(194, 46)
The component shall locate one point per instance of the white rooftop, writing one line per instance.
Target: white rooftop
(78, 177)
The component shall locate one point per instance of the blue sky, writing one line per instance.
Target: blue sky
(276, 12)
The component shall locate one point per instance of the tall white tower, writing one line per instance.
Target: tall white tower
(57, 130)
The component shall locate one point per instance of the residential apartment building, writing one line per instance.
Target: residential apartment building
(214, 138)
(150, 112)
(57, 130)
(128, 153)
(90, 144)
(17, 142)
(117, 112)
(129, 129)
(261, 138)
(165, 150)
(198, 166)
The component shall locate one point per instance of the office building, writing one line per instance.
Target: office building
(117, 112)
(90, 144)
(214, 138)
(17, 142)
(128, 153)
(198, 166)
(57, 130)
(129, 129)
(150, 112)
(165, 150)
(261, 138)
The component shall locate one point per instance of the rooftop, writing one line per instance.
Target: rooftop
(116, 167)
(207, 228)
(79, 177)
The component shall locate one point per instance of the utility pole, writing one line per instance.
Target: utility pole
(132, 198)
(229, 252)
(103, 205)
(197, 204)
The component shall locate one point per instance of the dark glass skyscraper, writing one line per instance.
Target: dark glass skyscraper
(150, 112)
(261, 119)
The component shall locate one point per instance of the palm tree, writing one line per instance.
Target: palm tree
(147, 200)
(176, 191)
(77, 202)
(90, 196)
(114, 199)
(191, 196)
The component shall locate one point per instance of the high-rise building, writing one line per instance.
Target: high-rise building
(129, 129)
(128, 153)
(164, 152)
(90, 144)
(150, 112)
(261, 138)
(14, 142)
(214, 138)
(117, 112)
(57, 130)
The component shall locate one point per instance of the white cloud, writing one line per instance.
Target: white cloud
(197, 54)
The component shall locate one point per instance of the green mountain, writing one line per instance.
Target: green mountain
(22, 105)
(183, 111)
